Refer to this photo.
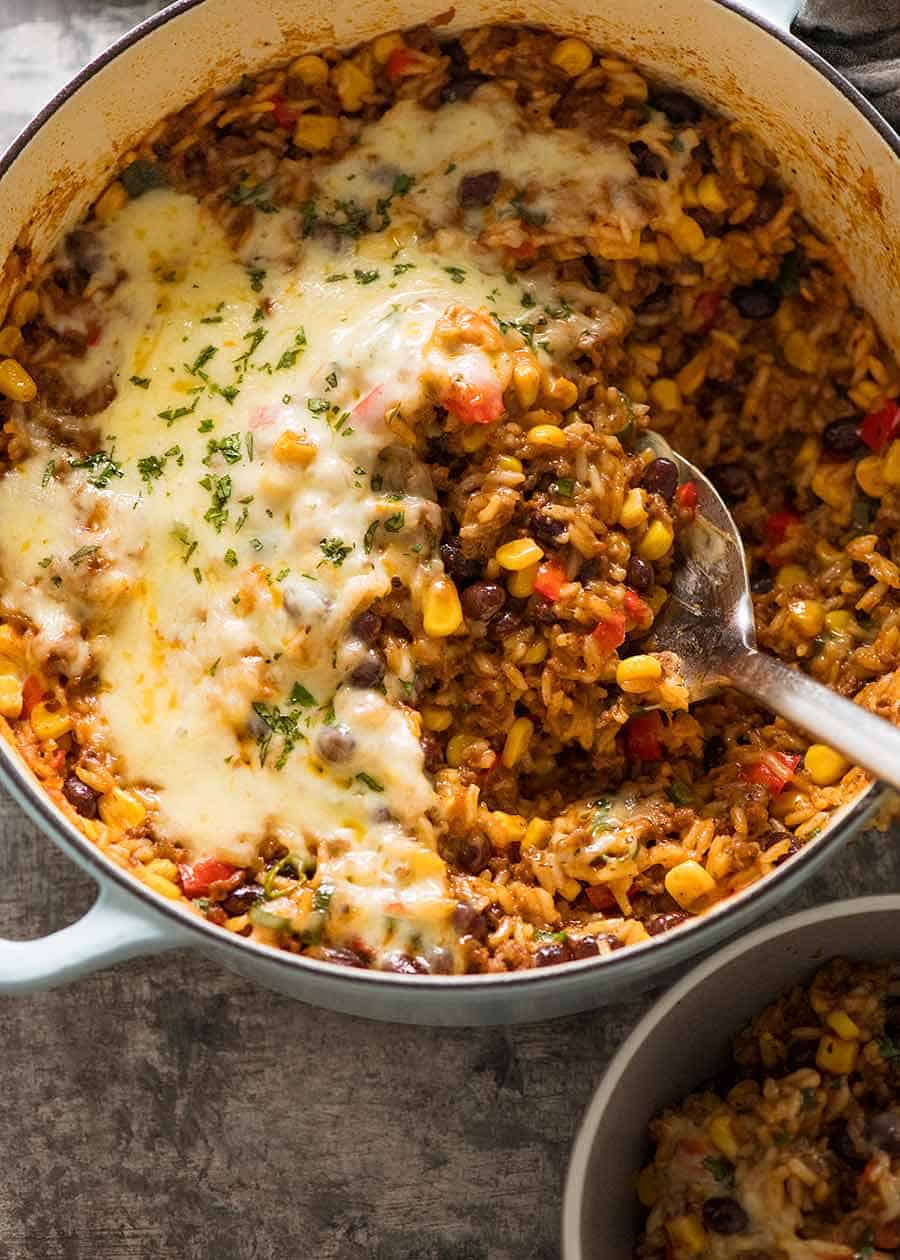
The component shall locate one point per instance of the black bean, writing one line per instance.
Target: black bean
(546, 529)
(404, 964)
(656, 301)
(661, 477)
(774, 836)
(724, 1215)
(550, 955)
(801, 1053)
(366, 626)
(340, 957)
(677, 106)
(648, 163)
(468, 922)
(80, 796)
(482, 600)
(433, 751)
(368, 672)
(768, 202)
(758, 300)
(542, 611)
(884, 1132)
(732, 481)
(335, 743)
(460, 89)
(714, 750)
(479, 189)
(460, 567)
(239, 901)
(761, 583)
(640, 574)
(841, 437)
(844, 1147)
(472, 854)
(584, 947)
(664, 922)
(508, 622)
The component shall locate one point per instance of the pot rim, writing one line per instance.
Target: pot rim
(671, 947)
(576, 1175)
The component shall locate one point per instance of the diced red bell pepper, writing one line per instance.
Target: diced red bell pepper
(197, 877)
(32, 694)
(550, 579)
(474, 404)
(522, 252)
(773, 770)
(283, 114)
(93, 334)
(642, 737)
(636, 607)
(610, 632)
(707, 308)
(686, 495)
(777, 525)
(404, 62)
(879, 427)
(600, 896)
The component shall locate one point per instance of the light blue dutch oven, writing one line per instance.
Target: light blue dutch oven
(834, 148)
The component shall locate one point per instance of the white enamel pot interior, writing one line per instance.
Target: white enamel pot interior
(683, 1041)
(834, 148)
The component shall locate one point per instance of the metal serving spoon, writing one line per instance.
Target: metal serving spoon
(708, 623)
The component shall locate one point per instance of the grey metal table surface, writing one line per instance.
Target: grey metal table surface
(167, 1110)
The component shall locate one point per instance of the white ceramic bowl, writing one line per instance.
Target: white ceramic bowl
(683, 1041)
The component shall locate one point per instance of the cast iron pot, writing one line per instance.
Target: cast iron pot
(835, 149)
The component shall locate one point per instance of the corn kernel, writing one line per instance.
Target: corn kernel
(309, 69)
(637, 674)
(473, 438)
(836, 1056)
(506, 828)
(160, 885)
(688, 882)
(709, 194)
(426, 864)
(521, 553)
(788, 803)
(648, 253)
(237, 922)
(457, 746)
(442, 611)
(384, 45)
(824, 765)
(10, 696)
(633, 513)
(807, 616)
(535, 654)
(687, 1235)
(164, 867)
(846, 1028)
(316, 132)
(520, 583)
(351, 85)
(635, 389)
(687, 234)
(840, 621)
(693, 374)
(808, 453)
(509, 463)
(666, 393)
(656, 542)
(435, 718)
(11, 340)
(517, 741)
(572, 56)
(49, 723)
(109, 203)
(825, 553)
(526, 379)
(648, 1186)
(891, 469)
(294, 448)
(561, 393)
(547, 436)
(537, 833)
(121, 809)
(24, 307)
(800, 352)
(790, 575)
(869, 474)
(721, 1134)
(15, 383)
(689, 196)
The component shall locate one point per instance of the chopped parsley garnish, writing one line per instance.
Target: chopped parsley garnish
(290, 357)
(101, 466)
(220, 490)
(456, 274)
(565, 487)
(299, 695)
(48, 473)
(246, 194)
(76, 558)
(369, 536)
(331, 380)
(528, 214)
(335, 550)
(254, 337)
(322, 897)
(228, 447)
(256, 275)
(256, 544)
(142, 382)
(228, 392)
(171, 414)
(180, 533)
(151, 467)
(198, 576)
(366, 277)
(207, 353)
(205, 426)
(395, 523)
(277, 723)
(370, 783)
(401, 268)
(888, 1048)
(679, 793)
(317, 405)
(230, 558)
(335, 277)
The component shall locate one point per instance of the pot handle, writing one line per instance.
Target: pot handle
(112, 930)
(779, 13)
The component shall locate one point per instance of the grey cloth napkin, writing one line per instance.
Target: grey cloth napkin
(861, 38)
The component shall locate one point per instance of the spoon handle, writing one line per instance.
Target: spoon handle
(868, 741)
